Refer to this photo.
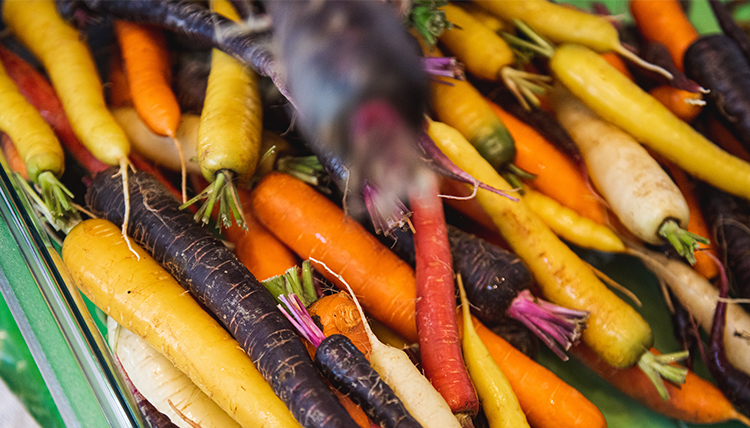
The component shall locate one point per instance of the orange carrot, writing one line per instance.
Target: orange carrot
(338, 315)
(697, 401)
(665, 21)
(15, 162)
(259, 250)
(615, 61)
(704, 263)
(146, 63)
(316, 228)
(685, 105)
(556, 175)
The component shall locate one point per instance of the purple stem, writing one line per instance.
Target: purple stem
(558, 327)
(444, 67)
(300, 318)
(386, 216)
(441, 164)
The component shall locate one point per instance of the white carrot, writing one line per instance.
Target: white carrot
(637, 189)
(699, 297)
(420, 398)
(167, 388)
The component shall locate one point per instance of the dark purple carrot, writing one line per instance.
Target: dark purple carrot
(734, 383)
(729, 219)
(683, 326)
(730, 27)
(658, 54)
(349, 371)
(202, 264)
(359, 87)
(716, 63)
(497, 285)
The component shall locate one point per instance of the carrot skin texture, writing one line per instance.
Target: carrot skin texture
(717, 63)
(202, 264)
(141, 296)
(620, 101)
(338, 315)
(349, 371)
(391, 290)
(697, 401)
(439, 343)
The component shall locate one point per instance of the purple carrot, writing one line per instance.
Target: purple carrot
(730, 27)
(202, 264)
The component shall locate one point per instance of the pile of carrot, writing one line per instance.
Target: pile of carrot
(602, 155)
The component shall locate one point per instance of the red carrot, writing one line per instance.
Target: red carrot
(439, 345)
(39, 92)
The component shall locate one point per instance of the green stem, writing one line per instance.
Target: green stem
(307, 169)
(525, 86)
(291, 283)
(57, 198)
(224, 191)
(309, 294)
(657, 367)
(686, 243)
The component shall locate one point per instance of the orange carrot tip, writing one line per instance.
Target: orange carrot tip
(224, 191)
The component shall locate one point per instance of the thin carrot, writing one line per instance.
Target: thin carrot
(146, 62)
(697, 401)
(439, 344)
(11, 155)
(556, 176)
(314, 227)
(725, 139)
(683, 104)
(665, 22)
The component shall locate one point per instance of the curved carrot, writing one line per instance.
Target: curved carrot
(697, 401)
(315, 227)
(556, 176)
(665, 22)
(685, 105)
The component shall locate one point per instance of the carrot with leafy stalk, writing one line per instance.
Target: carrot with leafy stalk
(614, 329)
(146, 61)
(618, 100)
(439, 348)
(229, 134)
(37, 146)
(314, 227)
(563, 24)
(71, 68)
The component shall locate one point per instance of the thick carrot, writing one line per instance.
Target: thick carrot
(665, 22)
(697, 401)
(141, 296)
(556, 175)
(261, 252)
(338, 314)
(439, 345)
(316, 228)
(203, 264)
